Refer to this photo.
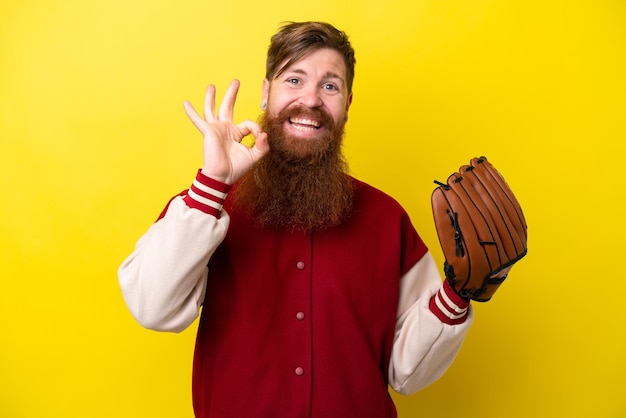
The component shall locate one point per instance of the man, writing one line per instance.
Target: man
(316, 292)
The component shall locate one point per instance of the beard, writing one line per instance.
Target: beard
(300, 184)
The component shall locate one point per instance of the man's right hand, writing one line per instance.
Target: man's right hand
(226, 159)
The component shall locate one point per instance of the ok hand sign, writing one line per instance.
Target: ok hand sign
(226, 159)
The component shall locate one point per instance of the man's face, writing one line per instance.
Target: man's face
(309, 100)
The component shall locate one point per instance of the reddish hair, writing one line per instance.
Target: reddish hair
(294, 40)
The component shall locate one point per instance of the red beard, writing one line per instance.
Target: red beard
(301, 183)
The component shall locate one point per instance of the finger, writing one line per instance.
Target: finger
(248, 127)
(194, 116)
(261, 145)
(228, 104)
(209, 104)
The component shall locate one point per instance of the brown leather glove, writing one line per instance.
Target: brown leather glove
(481, 229)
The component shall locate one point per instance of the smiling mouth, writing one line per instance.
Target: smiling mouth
(303, 124)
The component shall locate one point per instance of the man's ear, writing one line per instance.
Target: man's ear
(348, 103)
(265, 94)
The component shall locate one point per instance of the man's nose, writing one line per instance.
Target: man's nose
(311, 97)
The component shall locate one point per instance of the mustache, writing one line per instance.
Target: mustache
(302, 111)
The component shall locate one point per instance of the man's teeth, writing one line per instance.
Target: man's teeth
(305, 124)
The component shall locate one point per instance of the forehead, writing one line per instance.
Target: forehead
(325, 61)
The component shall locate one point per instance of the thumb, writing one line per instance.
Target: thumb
(261, 144)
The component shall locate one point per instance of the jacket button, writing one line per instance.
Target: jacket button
(300, 316)
(299, 371)
(300, 265)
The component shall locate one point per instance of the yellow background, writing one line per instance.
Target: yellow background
(94, 141)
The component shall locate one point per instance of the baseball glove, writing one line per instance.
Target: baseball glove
(481, 229)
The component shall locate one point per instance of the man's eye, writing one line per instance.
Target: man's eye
(293, 81)
(330, 87)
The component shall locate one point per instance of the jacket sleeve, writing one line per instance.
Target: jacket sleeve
(431, 323)
(163, 280)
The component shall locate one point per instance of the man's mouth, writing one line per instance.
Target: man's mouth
(304, 124)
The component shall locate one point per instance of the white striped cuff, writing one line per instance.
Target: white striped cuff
(207, 195)
(448, 306)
